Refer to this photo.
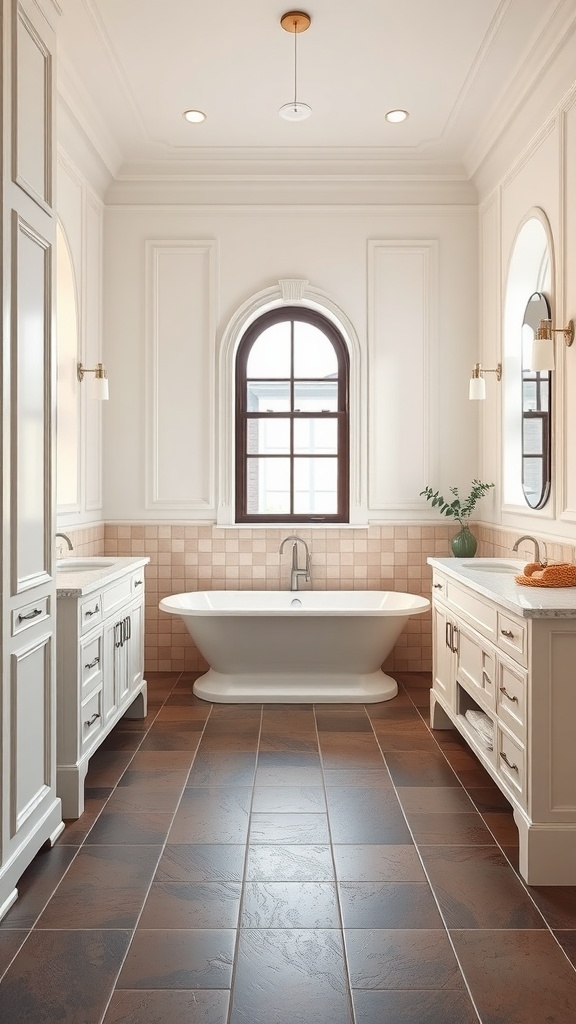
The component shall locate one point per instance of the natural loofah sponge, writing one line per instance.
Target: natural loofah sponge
(561, 574)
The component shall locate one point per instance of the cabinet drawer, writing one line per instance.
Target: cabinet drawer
(90, 610)
(29, 615)
(510, 764)
(90, 718)
(511, 698)
(90, 663)
(439, 584)
(478, 613)
(137, 582)
(512, 638)
(116, 595)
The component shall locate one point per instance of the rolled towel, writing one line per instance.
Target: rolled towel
(483, 725)
(558, 574)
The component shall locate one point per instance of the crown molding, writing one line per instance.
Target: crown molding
(533, 71)
(312, 192)
(72, 93)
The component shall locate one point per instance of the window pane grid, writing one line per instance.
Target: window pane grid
(308, 405)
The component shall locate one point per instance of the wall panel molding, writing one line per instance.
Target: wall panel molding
(32, 120)
(402, 341)
(179, 408)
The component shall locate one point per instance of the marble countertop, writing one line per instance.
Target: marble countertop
(528, 602)
(81, 582)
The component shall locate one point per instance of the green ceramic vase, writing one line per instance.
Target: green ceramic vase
(464, 544)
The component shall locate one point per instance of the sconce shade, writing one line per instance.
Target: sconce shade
(542, 357)
(100, 389)
(477, 390)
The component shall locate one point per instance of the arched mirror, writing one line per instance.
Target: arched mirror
(526, 412)
(536, 402)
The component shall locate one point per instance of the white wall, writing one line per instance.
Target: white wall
(406, 279)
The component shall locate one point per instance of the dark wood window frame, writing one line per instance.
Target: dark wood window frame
(293, 314)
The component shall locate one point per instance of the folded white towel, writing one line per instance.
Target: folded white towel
(483, 725)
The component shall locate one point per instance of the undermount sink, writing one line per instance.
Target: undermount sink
(82, 564)
(493, 565)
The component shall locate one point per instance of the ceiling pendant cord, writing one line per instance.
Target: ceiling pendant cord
(295, 22)
(295, 67)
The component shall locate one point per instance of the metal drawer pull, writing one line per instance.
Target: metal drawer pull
(437, 586)
(507, 633)
(486, 677)
(506, 694)
(92, 611)
(138, 583)
(514, 767)
(456, 640)
(92, 664)
(92, 720)
(30, 615)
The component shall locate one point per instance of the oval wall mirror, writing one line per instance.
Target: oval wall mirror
(536, 408)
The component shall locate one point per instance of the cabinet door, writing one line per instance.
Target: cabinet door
(30, 813)
(110, 641)
(121, 661)
(476, 666)
(136, 646)
(444, 656)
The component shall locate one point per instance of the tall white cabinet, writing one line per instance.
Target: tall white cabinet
(30, 812)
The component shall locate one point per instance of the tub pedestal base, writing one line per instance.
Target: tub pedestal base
(295, 688)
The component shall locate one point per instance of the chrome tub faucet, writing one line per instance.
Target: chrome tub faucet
(296, 573)
(67, 539)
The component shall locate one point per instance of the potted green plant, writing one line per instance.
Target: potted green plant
(464, 544)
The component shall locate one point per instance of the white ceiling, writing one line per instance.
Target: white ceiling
(128, 69)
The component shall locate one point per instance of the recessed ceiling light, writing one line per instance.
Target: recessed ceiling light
(195, 116)
(395, 116)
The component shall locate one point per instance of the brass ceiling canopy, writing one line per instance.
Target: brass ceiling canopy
(295, 21)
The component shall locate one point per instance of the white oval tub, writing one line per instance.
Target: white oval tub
(269, 646)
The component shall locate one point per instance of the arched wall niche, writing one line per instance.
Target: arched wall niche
(67, 395)
(530, 269)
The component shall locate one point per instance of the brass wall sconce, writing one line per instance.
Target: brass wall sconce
(543, 345)
(100, 385)
(477, 390)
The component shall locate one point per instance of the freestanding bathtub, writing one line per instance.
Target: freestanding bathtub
(295, 646)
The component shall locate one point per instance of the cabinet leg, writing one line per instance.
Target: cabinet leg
(438, 717)
(70, 788)
(139, 706)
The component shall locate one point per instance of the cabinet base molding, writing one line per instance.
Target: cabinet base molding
(56, 834)
(70, 778)
(8, 902)
(439, 718)
(49, 825)
(139, 706)
(547, 852)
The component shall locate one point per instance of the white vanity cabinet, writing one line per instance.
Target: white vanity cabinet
(510, 652)
(100, 667)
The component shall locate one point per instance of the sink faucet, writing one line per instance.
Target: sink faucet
(541, 560)
(67, 539)
(295, 572)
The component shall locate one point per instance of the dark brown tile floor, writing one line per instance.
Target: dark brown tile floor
(282, 865)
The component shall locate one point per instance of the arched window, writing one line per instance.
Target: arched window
(292, 429)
